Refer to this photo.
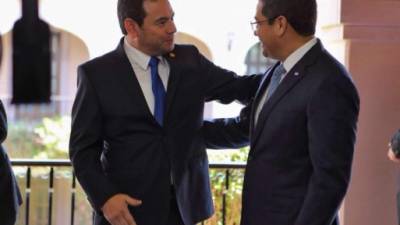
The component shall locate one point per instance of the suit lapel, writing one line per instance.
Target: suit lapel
(174, 77)
(288, 83)
(129, 81)
(260, 92)
(284, 87)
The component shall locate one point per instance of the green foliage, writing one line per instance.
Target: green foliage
(21, 140)
(231, 190)
(44, 140)
(53, 136)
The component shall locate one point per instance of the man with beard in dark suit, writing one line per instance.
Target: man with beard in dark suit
(136, 142)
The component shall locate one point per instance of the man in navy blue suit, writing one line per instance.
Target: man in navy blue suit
(302, 124)
(394, 147)
(394, 155)
(136, 141)
(10, 198)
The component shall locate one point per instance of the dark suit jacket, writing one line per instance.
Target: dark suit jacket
(117, 146)
(301, 149)
(10, 197)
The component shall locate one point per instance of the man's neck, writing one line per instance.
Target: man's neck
(293, 44)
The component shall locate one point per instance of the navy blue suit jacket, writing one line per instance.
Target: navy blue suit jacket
(301, 148)
(10, 197)
(117, 146)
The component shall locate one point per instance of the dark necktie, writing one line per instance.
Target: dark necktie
(275, 80)
(158, 90)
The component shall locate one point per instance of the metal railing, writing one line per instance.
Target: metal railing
(225, 173)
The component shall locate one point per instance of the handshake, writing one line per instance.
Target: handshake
(394, 145)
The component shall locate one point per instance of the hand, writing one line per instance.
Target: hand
(392, 156)
(116, 209)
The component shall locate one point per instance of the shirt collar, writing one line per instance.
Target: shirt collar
(295, 57)
(136, 56)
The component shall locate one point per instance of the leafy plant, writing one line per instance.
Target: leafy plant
(227, 191)
(44, 140)
(21, 140)
(53, 136)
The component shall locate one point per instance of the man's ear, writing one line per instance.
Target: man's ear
(281, 25)
(131, 27)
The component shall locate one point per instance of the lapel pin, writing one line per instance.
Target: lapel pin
(172, 55)
(296, 73)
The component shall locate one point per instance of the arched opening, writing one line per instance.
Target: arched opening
(68, 51)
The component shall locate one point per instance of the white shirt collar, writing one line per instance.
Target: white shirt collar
(295, 57)
(136, 56)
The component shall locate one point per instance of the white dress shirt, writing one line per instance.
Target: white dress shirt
(140, 64)
(288, 64)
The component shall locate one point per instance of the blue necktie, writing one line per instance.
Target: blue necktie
(275, 80)
(158, 90)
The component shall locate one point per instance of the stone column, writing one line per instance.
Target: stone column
(365, 36)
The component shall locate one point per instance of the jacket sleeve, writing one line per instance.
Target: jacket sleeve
(226, 86)
(332, 117)
(86, 143)
(225, 133)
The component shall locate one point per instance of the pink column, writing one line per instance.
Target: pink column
(365, 35)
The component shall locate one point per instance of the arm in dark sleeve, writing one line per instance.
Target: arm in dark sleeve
(332, 119)
(86, 143)
(3, 123)
(226, 86)
(225, 133)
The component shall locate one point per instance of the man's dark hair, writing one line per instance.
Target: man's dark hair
(301, 14)
(132, 9)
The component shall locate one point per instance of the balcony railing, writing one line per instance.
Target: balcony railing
(49, 205)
